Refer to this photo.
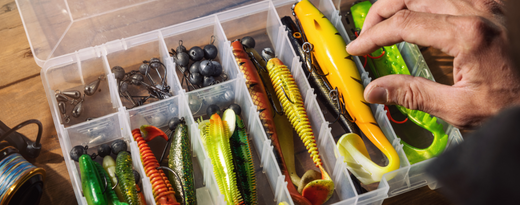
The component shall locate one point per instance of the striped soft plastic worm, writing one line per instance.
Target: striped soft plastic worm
(243, 161)
(391, 62)
(161, 187)
(291, 99)
(317, 191)
(217, 144)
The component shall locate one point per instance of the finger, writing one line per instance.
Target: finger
(425, 29)
(418, 93)
(382, 10)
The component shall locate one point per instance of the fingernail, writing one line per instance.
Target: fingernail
(377, 95)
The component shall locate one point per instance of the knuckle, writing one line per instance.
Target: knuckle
(479, 32)
(490, 6)
(412, 96)
(402, 18)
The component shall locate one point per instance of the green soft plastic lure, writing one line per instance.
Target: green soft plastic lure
(389, 61)
(109, 164)
(180, 161)
(111, 194)
(215, 137)
(93, 179)
(126, 177)
(243, 161)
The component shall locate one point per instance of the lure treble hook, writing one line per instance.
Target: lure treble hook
(309, 59)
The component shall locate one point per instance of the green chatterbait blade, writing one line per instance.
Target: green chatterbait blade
(219, 151)
(391, 62)
(180, 161)
(126, 177)
(243, 160)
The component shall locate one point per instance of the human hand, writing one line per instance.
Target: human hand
(472, 31)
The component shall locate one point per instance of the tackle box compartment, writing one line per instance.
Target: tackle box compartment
(75, 42)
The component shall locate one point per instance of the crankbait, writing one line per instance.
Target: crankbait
(97, 189)
(162, 189)
(341, 71)
(391, 62)
(110, 167)
(325, 93)
(216, 137)
(126, 177)
(260, 99)
(243, 161)
(180, 161)
(317, 191)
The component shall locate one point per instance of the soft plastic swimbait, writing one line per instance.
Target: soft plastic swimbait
(216, 140)
(179, 160)
(317, 191)
(329, 50)
(126, 177)
(390, 61)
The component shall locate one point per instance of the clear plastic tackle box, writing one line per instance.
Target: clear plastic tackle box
(75, 42)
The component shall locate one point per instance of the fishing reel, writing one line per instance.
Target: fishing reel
(22, 181)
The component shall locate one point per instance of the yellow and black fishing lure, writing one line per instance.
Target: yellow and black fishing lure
(317, 191)
(329, 50)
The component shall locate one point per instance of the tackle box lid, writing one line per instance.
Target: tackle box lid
(56, 28)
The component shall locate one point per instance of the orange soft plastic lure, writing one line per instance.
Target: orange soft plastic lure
(161, 187)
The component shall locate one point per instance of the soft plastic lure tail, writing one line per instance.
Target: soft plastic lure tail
(217, 144)
(162, 189)
(329, 50)
(243, 161)
(180, 161)
(391, 62)
(317, 191)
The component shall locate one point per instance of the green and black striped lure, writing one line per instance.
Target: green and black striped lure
(243, 162)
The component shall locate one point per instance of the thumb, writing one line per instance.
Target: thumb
(414, 93)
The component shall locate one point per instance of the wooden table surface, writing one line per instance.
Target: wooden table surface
(22, 97)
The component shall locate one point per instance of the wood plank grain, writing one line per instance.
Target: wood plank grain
(15, 55)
